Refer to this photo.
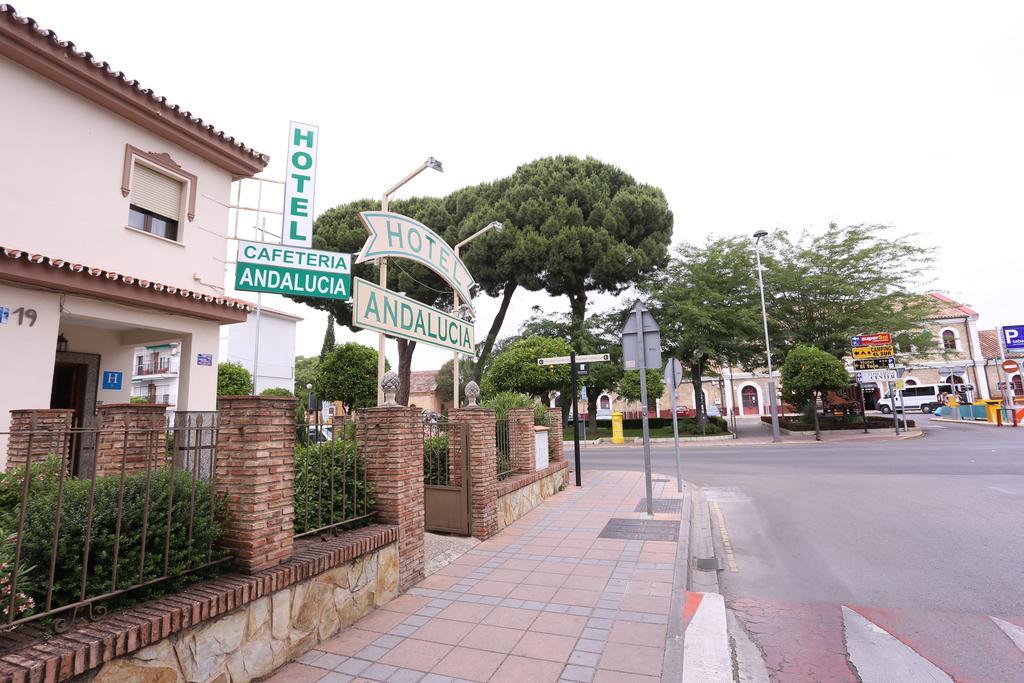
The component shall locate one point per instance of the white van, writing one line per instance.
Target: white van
(923, 397)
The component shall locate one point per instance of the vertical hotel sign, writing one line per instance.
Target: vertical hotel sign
(300, 179)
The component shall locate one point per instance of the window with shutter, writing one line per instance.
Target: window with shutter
(155, 203)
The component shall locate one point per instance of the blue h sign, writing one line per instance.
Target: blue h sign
(111, 379)
(1013, 337)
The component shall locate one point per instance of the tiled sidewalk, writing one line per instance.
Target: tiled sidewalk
(544, 600)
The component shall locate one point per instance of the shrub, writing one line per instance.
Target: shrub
(435, 459)
(840, 422)
(326, 467)
(504, 401)
(139, 399)
(277, 391)
(233, 380)
(541, 415)
(144, 502)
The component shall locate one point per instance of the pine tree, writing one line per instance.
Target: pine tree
(328, 337)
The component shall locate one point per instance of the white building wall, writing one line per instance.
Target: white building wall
(277, 349)
(64, 179)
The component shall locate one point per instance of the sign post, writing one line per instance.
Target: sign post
(673, 377)
(575, 362)
(874, 360)
(641, 349)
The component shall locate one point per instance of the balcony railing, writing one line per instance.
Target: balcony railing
(159, 367)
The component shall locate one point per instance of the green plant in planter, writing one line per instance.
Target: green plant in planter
(330, 485)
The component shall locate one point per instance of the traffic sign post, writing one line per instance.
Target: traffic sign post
(673, 377)
(577, 364)
(641, 349)
(874, 361)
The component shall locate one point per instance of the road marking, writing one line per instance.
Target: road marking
(879, 656)
(1012, 631)
(730, 558)
(706, 655)
(1002, 490)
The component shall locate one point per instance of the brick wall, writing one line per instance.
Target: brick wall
(132, 435)
(556, 450)
(255, 469)
(390, 440)
(521, 441)
(40, 431)
(483, 467)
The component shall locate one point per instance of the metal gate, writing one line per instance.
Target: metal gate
(446, 480)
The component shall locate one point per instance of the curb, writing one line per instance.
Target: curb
(672, 664)
(980, 423)
(706, 655)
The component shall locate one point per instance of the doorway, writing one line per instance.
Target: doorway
(75, 376)
(748, 398)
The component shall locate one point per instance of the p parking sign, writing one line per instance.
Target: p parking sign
(1013, 337)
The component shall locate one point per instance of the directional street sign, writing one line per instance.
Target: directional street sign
(876, 376)
(873, 352)
(880, 339)
(875, 364)
(565, 360)
(282, 269)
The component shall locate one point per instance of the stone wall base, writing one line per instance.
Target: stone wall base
(518, 495)
(257, 638)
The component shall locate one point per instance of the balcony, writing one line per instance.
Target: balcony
(158, 367)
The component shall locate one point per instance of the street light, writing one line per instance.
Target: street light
(776, 437)
(382, 263)
(496, 226)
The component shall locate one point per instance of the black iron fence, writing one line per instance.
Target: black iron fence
(332, 493)
(436, 469)
(75, 545)
(503, 448)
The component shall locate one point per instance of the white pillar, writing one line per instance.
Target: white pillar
(977, 358)
(197, 384)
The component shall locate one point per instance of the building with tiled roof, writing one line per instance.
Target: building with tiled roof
(113, 231)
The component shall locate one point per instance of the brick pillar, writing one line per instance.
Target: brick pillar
(556, 450)
(483, 467)
(132, 433)
(47, 430)
(339, 425)
(255, 468)
(390, 440)
(520, 440)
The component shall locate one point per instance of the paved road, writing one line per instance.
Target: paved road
(923, 538)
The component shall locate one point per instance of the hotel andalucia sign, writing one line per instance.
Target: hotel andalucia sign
(379, 309)
(395, 235)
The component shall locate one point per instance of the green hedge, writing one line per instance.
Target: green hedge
(158, 489)
(352, 494)
(715, 425)
(837, 423)
(435, 460)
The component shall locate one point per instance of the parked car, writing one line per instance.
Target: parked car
(923, 397)
(319, 434)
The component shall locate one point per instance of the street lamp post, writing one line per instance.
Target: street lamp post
(772, 402)
(497, 226)
(382, 263)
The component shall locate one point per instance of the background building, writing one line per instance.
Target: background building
(277, 347)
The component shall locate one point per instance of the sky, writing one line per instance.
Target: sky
(747, 114)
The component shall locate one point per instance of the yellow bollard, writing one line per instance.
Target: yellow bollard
(617, 436)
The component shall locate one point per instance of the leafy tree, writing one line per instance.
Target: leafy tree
(707, 301)
(328, 337)
(629, 385)
(809, 372)
(822, 289)
(233, 380)
(597, 334)
(305, 372)
(445, 381)
(348, 374)
(516, 368)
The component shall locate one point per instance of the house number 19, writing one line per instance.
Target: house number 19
(25, 314)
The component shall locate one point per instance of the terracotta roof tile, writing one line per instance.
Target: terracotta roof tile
(126, 280)
(423, 381)
(45, 38)
(948, 308)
